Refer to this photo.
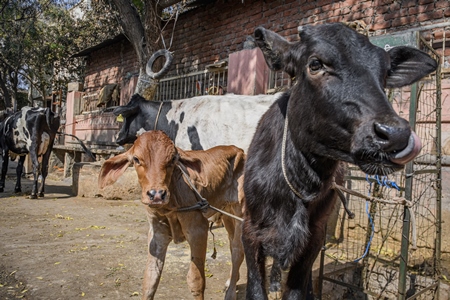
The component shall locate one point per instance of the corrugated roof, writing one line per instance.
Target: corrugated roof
(103, 44)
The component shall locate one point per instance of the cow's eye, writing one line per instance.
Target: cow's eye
(136, 160)
(315, 65)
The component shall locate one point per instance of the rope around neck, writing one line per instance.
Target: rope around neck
(203, 203)
(283, 155)
(157, 116)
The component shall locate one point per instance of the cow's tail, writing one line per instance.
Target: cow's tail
(85, 149)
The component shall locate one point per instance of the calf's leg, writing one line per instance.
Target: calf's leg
(299, 281)
(234, 230)
(275, 280)
(195, 228)
(255, 260)
(158, 241)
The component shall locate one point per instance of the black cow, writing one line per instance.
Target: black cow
(29, 131)
(337, 111)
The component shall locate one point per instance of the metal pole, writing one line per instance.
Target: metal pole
(438, 243)
(406, 212)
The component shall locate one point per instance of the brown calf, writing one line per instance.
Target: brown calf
(216, 173)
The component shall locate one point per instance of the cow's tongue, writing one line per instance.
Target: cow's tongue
(407, 154)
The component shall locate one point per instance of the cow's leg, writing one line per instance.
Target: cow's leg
(158, 241)
(299, 281)
(237, 254)
(255, 259)
(275, 280)
(19, 171)
(35, 162)
(195, 228)
(44, 172)
(5, 161)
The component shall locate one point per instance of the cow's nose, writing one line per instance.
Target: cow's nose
(157, 195)
(392, 138)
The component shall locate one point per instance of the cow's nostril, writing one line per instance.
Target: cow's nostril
(382, 131)
(163, 194)
(151, 194)
(392, 138)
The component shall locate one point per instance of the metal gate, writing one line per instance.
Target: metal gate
(391, 249)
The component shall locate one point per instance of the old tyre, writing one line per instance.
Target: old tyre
(149, 68)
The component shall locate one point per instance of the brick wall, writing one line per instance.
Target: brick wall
(209, 33)
(116, 63)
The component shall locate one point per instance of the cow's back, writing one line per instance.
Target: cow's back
(197, 123)
(218, 120)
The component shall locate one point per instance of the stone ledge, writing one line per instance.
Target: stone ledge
(85, 183)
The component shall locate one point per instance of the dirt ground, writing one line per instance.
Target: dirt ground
(64, 247)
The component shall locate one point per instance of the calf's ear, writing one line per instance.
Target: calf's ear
(408, 65)
(113, 168)
(276, 50)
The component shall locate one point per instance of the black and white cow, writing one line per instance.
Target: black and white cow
(29, 131)
(197, 123)
(337, 111)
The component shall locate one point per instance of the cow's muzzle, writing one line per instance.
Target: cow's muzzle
(155, 197)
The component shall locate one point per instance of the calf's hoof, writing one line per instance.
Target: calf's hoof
(33, 196)
(17, 190)
(41, 195)
(1, 190)
(275, 295)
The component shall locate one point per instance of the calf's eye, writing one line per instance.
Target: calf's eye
(136, 160)
(315, 65)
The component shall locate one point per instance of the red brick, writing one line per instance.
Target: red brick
(441, 4)
(381, 25)
(447, 12)
(408, 3)
(403, 21)
(381, 9)
(422, 2)
(430, 16)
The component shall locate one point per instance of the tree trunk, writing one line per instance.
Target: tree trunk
(5, 93)
(143, 35)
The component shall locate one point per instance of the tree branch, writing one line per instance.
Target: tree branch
(132, 26)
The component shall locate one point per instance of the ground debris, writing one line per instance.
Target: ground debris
(10, 287)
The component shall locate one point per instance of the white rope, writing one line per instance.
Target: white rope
(283, 154)
(186, 176)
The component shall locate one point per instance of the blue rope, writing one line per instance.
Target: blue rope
(382, 182)
(371, 235)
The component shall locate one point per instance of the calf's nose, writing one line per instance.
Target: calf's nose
(392, 138)
(155, 195)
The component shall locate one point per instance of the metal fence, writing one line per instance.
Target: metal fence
(193, 84)
(391, 249)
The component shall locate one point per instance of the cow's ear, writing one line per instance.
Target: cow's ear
(276, 50)
(113, 168)
(408, 65)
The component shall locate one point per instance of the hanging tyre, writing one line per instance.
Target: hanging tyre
(149, 68)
